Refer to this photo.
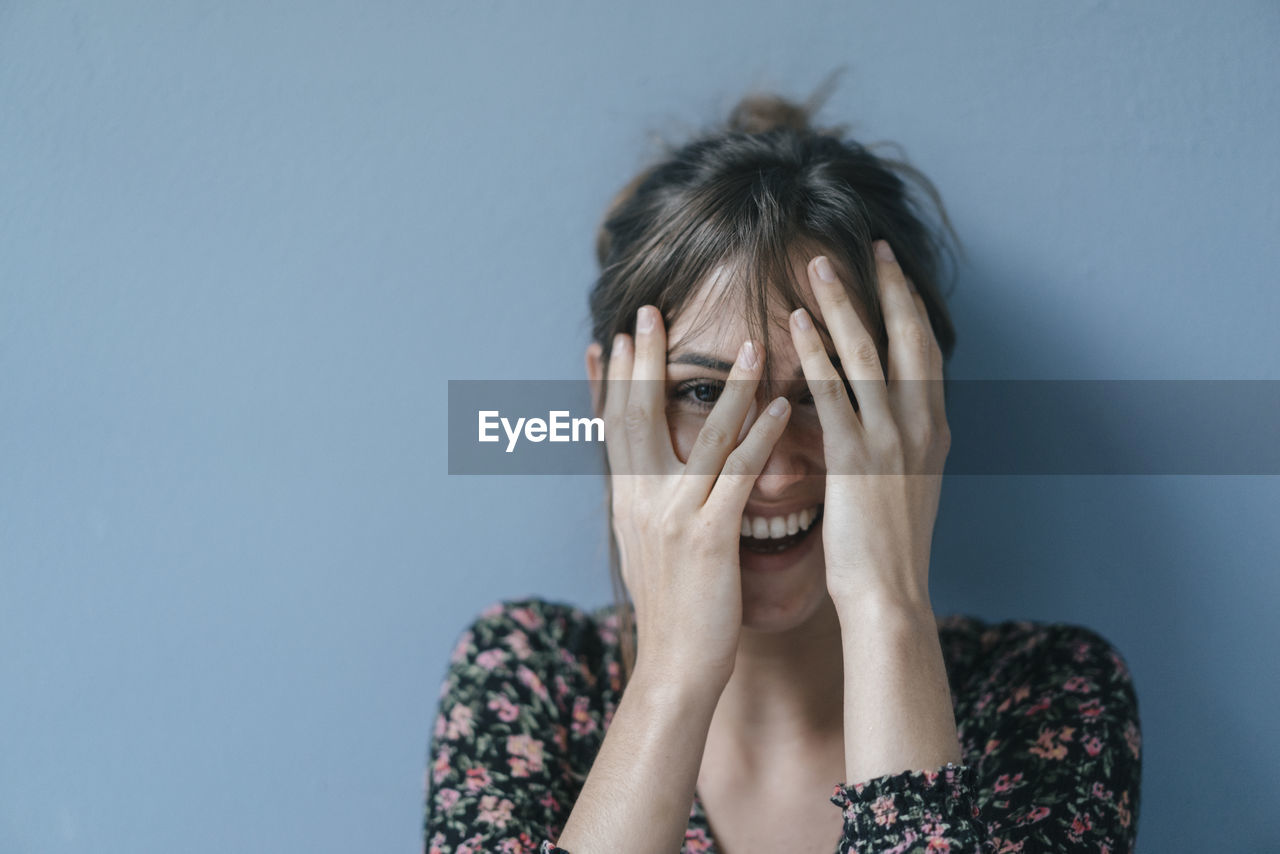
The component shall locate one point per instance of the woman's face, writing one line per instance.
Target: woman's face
(783, 572)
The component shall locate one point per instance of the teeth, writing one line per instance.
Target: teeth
(777, 527)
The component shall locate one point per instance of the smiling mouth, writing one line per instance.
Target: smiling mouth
(772, 545)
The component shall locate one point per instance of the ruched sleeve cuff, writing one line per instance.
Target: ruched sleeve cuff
(912, 811)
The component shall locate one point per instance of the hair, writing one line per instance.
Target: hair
(756, 194)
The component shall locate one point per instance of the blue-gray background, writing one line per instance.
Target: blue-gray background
(243, 246)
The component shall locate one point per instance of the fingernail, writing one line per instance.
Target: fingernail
(825, 272)
(801, 319)
(747, 356)
(884, 251)
(778, 407)
(644, 319)
(617, 344)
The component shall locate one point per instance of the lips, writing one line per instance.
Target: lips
(775, 526)
(790, 529)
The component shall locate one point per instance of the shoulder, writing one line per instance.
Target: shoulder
(1033, 677)
(543, 646)
(1028, 648)
(539, 619)
(530, 625)
(1028, 671)
(1048, 714)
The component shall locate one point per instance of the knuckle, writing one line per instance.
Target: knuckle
(917, 338)
(889, 441)
(942, 435)
(636, 419)
(919, 435)
(712, 435)
(831, 389)
(736, 466)
(670, 524)
(865, 352)
(929, 439)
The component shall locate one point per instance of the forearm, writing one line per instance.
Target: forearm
(640, 789)
(897, 703)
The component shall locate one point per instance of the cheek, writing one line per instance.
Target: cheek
(684, 427)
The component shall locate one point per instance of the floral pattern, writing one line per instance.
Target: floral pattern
(1046, 713)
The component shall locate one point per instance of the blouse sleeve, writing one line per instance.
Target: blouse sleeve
(497, 779)
(1052, 748)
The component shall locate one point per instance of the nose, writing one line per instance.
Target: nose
(786, 468)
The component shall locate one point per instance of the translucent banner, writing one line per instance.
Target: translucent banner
(998, 427)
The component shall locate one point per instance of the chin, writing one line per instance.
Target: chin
(778, 603)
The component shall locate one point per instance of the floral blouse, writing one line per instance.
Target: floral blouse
(1046, 713)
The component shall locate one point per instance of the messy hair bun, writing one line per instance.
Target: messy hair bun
(761, 112)
(755, 113)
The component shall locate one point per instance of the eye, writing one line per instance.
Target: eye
(700, 394)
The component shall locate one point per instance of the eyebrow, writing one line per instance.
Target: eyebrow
(711, 363)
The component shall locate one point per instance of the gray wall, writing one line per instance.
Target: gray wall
(243, 246)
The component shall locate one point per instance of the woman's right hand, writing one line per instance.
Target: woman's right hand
(678, 524)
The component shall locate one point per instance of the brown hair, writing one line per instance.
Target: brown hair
(752, 194)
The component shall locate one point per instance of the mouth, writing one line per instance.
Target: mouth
(770, 535)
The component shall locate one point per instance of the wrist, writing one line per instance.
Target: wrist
(884, 610)
(683, 686)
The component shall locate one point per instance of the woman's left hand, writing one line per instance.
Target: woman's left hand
(885, 460)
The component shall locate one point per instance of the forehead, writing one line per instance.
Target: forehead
(714, 320)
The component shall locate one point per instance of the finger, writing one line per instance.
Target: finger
(646, 414)
(743, 466)
(719, 433)
(615, 404)
(859, 356)
(835, 410)
(911, 341)
(937, 395)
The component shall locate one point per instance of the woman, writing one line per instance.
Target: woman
(775, 429)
